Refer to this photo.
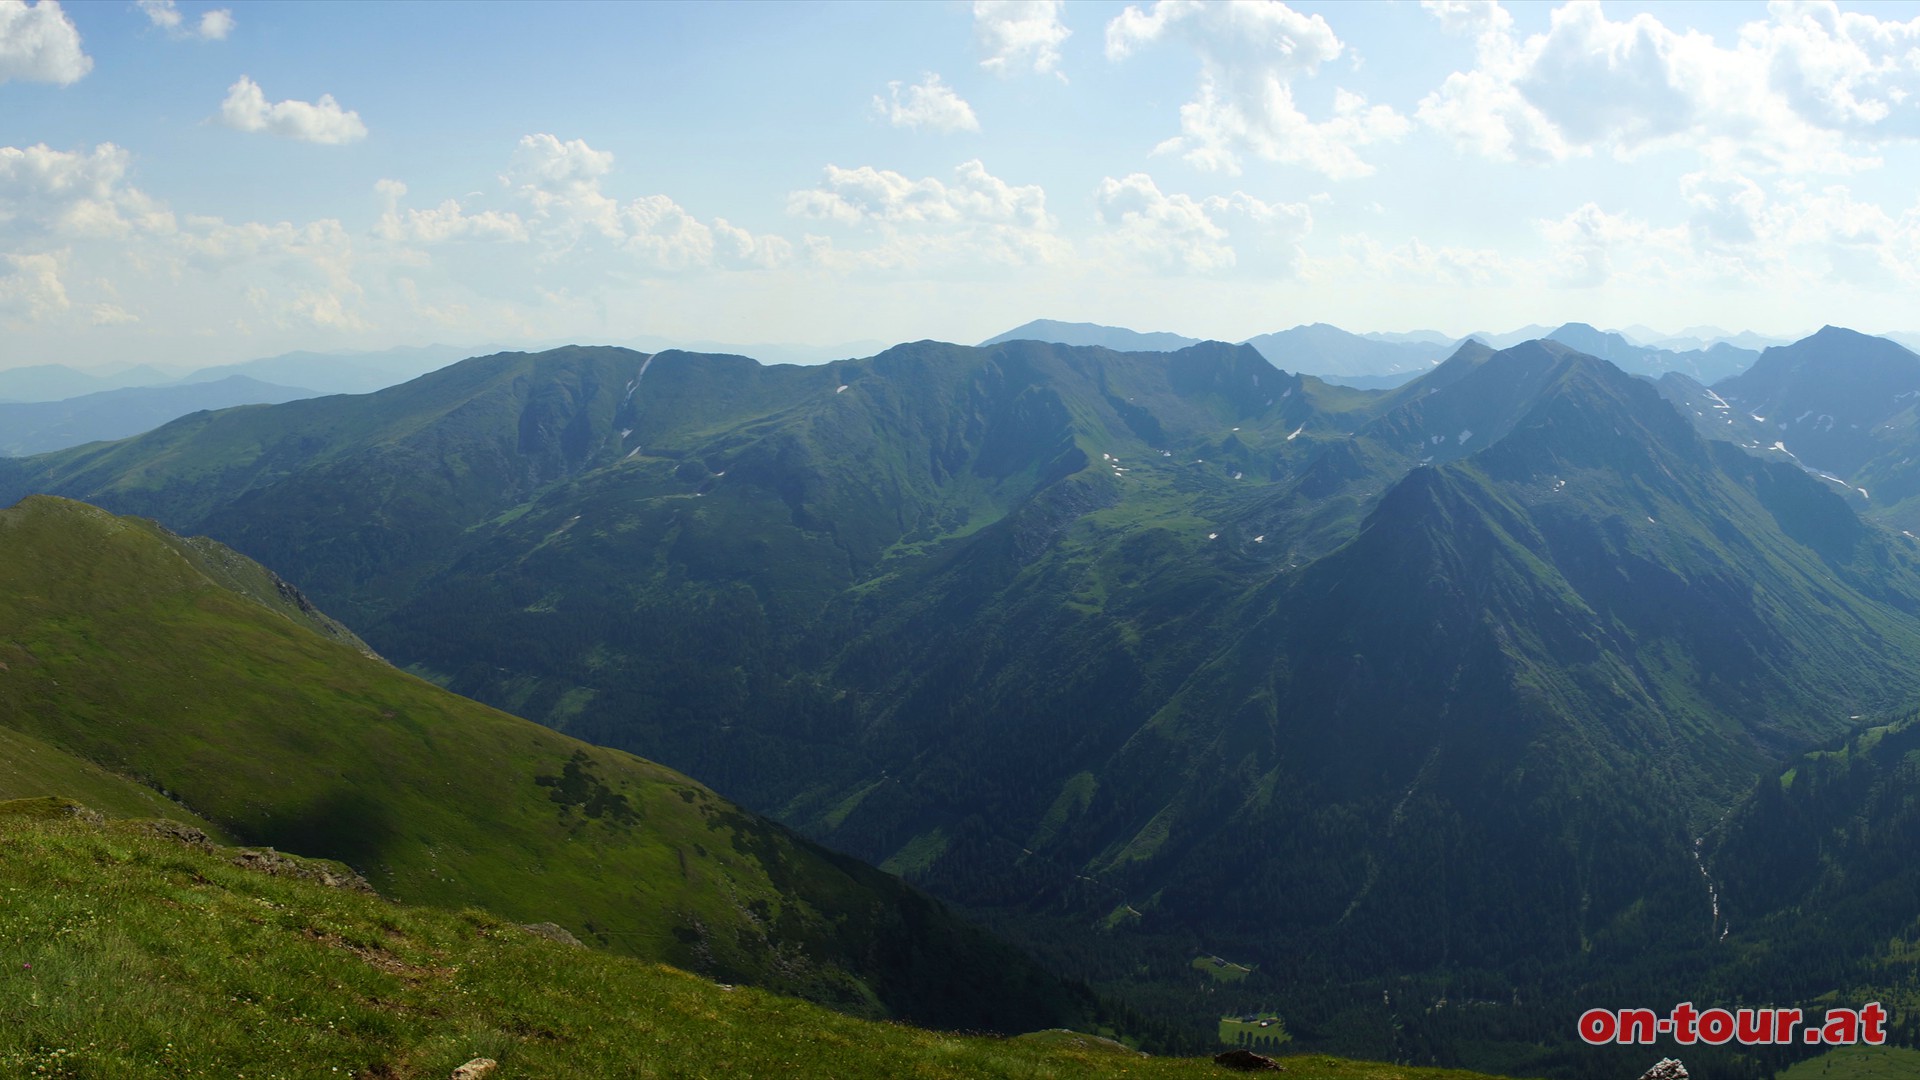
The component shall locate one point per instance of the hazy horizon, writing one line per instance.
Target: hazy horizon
(191, 184)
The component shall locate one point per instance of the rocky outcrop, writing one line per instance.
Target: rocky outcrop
(269, 861)
(553, 932)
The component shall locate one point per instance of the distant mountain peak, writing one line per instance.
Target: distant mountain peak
(1117, 338)
(1830, 333)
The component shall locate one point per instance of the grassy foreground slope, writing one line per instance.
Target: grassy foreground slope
(245, 974)
(129, 654)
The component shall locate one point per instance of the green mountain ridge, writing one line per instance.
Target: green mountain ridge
(154, 664)
(1141, 656)
(1844, 405)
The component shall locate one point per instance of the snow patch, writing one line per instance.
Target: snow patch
(1465, 434)
(842, 390)
(1296, 432)
(1213, 536)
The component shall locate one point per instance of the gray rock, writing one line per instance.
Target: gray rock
(269, 861)
(553, 932)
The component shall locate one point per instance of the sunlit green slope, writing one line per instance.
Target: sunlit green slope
(124, 660)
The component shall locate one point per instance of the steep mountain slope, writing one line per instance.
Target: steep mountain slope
(1845, 405)
(128, 650)
(1149, 655)
(115, 414)
(1712, 415)
(1830, 397)
(706, 574)
(359, 499)
(1117, 338)
(1822, 849)
(1511, 615)
(405, 471)
(248, 966)
(1580, 643)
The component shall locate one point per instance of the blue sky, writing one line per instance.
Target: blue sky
(189, 183)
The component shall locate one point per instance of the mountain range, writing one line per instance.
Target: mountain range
(1376, 361)
(1140, 656)
(51, 382)
(73, 411)
(37, 427)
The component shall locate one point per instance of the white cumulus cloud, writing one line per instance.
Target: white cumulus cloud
(1021, 35)
(560, 183)
(443, 223)
(1808, 89)
(1250, 54)
(246, 109)
(929, 104)
(1173, 232)
(165, 14)
(69, 194)
(30, 287)
(214, 25)
(38, 43)
(973, 221)
(867, 195)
